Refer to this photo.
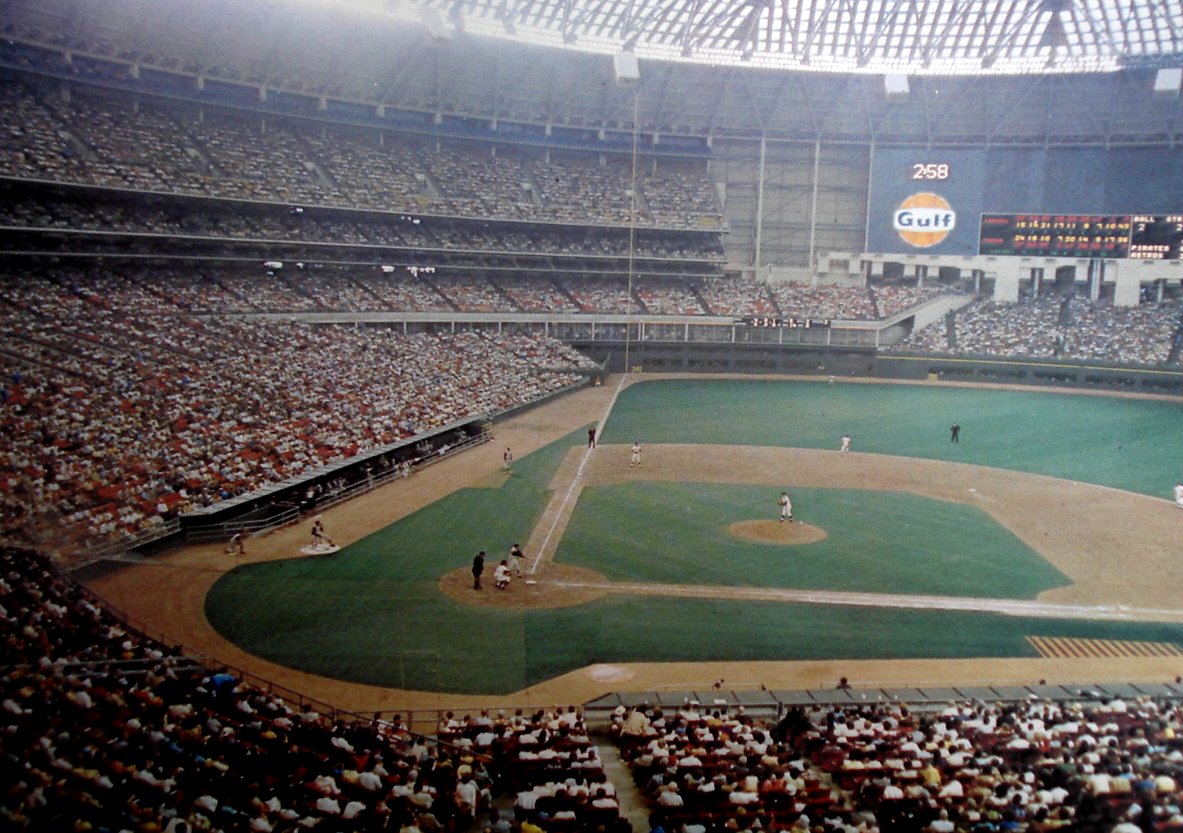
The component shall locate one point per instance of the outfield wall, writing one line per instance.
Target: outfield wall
(846, 361)
(1033, 372)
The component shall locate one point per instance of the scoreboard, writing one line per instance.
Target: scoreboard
(1139, 236)
(1156, 236)
(1055, 235)
(789, 323)
(1079, 202)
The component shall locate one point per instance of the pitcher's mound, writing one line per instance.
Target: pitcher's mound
(777, 532)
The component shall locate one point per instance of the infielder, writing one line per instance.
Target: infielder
(635, 459)
(1179, 495)
(845, 446)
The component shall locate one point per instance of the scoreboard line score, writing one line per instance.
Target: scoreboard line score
(1134, 236)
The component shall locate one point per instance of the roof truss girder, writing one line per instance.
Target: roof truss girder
(888, 35)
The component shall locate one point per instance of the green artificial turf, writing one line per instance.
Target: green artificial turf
(408, 636)
(645, 629)
(878, 542)
(373, 613)
(1129, 444)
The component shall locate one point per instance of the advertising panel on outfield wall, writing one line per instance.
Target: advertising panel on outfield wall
(933, 200)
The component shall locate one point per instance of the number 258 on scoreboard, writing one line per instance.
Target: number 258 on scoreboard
(928, 171)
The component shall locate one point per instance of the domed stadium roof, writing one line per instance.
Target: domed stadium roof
(993, 71)
(902, 36)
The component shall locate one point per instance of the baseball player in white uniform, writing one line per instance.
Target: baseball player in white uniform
(1179, 495)
(635, 459)
(845, 446)
(786, 506)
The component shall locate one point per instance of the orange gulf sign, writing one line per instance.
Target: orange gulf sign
(924, 219)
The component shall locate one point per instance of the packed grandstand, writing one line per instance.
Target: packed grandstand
(207, 299)
(104, 365)
(107, 729)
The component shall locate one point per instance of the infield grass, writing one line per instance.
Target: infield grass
(877, 542)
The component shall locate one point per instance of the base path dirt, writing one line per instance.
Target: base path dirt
(1118, 548)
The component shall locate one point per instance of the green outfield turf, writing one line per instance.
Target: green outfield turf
(373, 612)
(1130, 444)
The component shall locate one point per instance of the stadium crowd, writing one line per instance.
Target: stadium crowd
(127, 407)
(1059, 327)
(105, 729)
(547, 762)
(150, 147)
(204, 219)
(965, 767)
(121, 413)
(218, 288)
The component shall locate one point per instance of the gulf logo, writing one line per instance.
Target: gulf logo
(924, 219)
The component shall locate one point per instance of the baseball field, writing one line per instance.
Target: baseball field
(1042, 544)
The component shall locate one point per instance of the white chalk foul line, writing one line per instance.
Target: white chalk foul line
(558, 515)
(1010, 607)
